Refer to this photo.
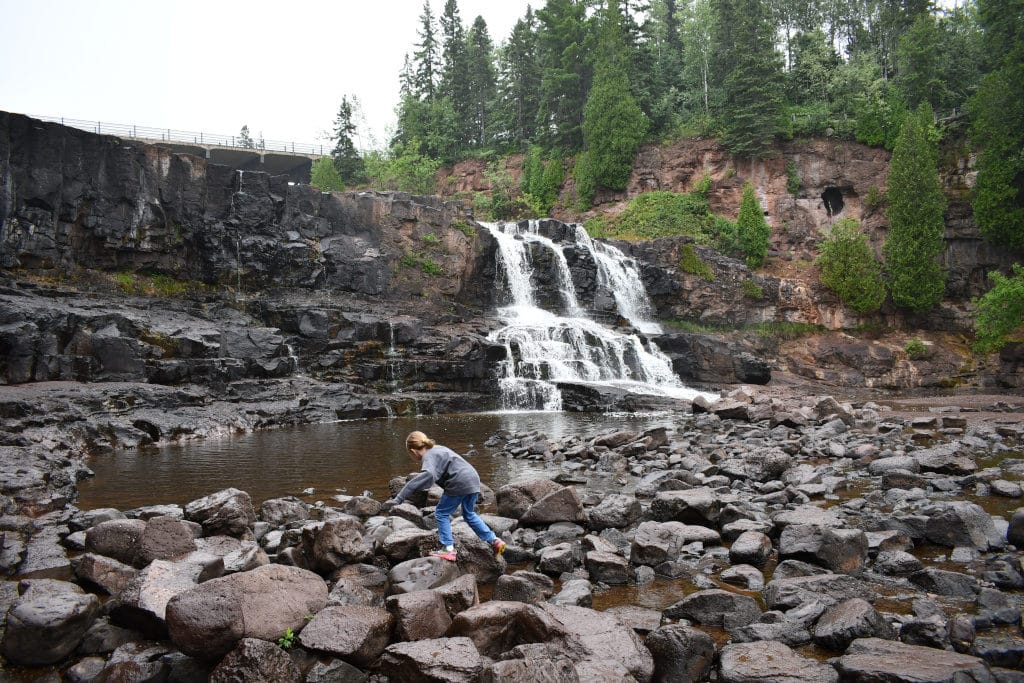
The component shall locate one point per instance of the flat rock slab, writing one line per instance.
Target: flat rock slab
(874, 659)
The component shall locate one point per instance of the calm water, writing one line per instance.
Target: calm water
(338, 458)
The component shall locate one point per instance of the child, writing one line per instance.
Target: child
(461, 485)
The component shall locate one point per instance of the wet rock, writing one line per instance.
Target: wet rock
(751, 547)
(877, 659)
(335, 543)
(460, 594)
(142, 605)
(559, 558)
(523, 586)
(422, 574)
(715, 607)
(760, 661)
(744, 576)
(47, 622)
(406, 544)
(788, 629)
(828, 589)
(103, 572)
(209, 620)
(942, 582)
(515, 499)
(961, 523)
(281, 511)
(896, 563)
(335, 671)
(575, 592)
(843, 623)
(227, 512)
(616, 511)
(692, 506)
(497, 626)
(841, 550)
(681, 653)
(356, 634)
(602, 639)
(138, 661)
(348, 592)
(165, 538)
(608, 568)
(658, 542)
(116, 538)
(419, 616)
(256, 660)
(103, 638)
(446, 659)
(550, 668)
(563, 505)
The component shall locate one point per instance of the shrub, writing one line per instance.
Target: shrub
(324, 176)
(916, 349)
(1000, 311)
(663, 214)
(431, 238)
(464, 227)
(752, 228)
(726, 237)
(690, 262)
(793, 181)
(849, 268)
(752, 290)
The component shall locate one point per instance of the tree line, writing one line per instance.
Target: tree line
(578, 85)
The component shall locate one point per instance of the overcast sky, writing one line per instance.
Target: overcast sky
(279, 67)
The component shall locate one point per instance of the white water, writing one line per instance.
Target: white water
(544, 348)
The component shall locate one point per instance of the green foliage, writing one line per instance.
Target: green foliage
(874, 197)
(662, 214)
(691, 262)
(788, 330)
(347, 161)
(915, 209)
(406, 171)
(753, 229)
(915, 349)
(849, 268)
(726, 235)
(288, 640)
(880, 113)
(431, 267)
(431, 238)
(464, 227)
(423, 262)
(157, 285)
(324, 175)
(562, 42)
(1000, 312)
(586, 182)
(793, 181)
(752, 290)
(541, 181)
(502, 203)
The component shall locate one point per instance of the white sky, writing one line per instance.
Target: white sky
(279, 67)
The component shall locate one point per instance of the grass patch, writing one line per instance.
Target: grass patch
(658, 214)
(421, 262)
(690, 262)
(464, 227)
(157, 285)
(787, 330)
(431, 238)
(752, 290)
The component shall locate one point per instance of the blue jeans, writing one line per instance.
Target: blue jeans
(443, 512)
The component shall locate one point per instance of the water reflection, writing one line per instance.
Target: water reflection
(343, 457)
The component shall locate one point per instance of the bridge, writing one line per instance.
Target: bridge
(271, 156)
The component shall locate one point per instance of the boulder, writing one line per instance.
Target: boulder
(875, 659)
(827, 589)
(715, 607)
(690, 506)
(278, 512)
(227, 512)
(116, 538)
(563, 505)
(104, 572)
(356, 634)
(142, 604)
(515, 499)
(658, 542)
(444, 659)
(419, 616)
(335, 543)
(165, 538)
(47, 622)
(751, 547)
(770, 661)
(615, 511)
(523, 586)
(422, 574)
(209, 620)
(681, 653)
(843, 623)
(256, 660)
(961, 523)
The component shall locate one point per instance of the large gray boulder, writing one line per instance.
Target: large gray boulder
(827, 589)
(602, 638)
(455, 660)
(333, 544)
(961, 523)
(419, 616)
(770, 661)
(165, 538)
(142, 604)
(421, 574)
(227, 512)
(874, 659)
(356, 634)
(515, 499)
(615, 511)
(698, 505)
(104, 572)
(116, 538)
(47, 622)
(657, 542)
(855, 618)
(209, 620)
(715, 607)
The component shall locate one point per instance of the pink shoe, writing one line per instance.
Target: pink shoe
(444, 554)
(499, 546)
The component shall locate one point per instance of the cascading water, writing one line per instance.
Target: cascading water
(544, 348)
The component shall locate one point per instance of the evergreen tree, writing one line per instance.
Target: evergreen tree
(347, 160)
(519, 78)
(613, 124)
(696, 27)
(1001, 311)
(482, 83)
(749, 111)
(244, 139)
(915, 208)
(849, 268)
(566, 73)
(454, 72)
(752, 229)
(660, 86)
(426, 57)
(997, 126)
(919, 63)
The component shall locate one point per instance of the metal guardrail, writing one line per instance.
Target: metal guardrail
(186, 137)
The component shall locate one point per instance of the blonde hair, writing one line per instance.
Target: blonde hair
(418, 440)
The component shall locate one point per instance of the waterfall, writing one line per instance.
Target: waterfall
(543, 348)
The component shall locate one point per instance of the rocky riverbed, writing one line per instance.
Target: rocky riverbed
(810, 539)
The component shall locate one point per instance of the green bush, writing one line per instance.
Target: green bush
(1000, 312)
(849, 268)
(690, 262)
(324, 176)
(726, 236)
(663, 214)
(464, 227)
(752, 290)
(793, 181)
(915, 349)
(753, 229)
(431, 238)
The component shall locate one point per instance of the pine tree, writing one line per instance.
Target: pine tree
(849, 268)
(752, 229)
(245, 139)
(426, 57)
(566, 73)
(347, 160)
(613, 123)
(482, 83)
(454, 73)
(519, 78)
(749, 108)
(916, 226)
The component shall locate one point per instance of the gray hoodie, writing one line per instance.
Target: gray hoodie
(448, 469)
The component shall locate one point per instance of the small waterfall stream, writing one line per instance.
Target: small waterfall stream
(544, 348)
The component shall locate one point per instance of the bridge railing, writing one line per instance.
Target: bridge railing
(126, 130)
